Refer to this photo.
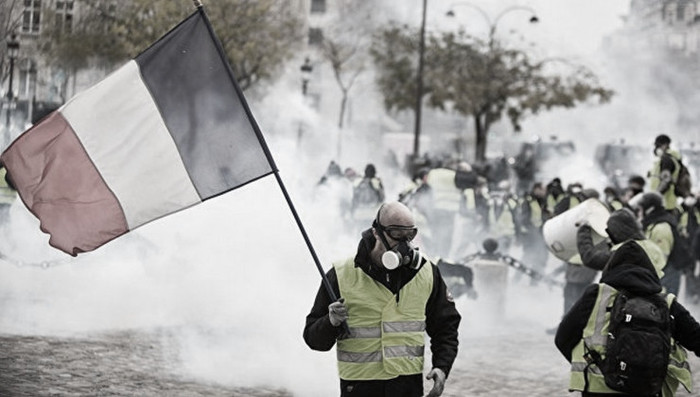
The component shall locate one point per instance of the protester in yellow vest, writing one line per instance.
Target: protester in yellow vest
(661, 227)
(503, 220)
(612, 198)
(582, 337)
(664, 172)
(532, 216)
(446, 201)
(390, 296)
(621, 226)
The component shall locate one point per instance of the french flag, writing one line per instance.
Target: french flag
(168, 130)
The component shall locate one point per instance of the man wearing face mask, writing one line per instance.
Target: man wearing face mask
(390, 296)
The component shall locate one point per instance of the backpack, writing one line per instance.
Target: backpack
(364, 193)
(639, 344)
(684, 184)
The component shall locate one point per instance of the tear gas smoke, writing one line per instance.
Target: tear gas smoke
(232, 277)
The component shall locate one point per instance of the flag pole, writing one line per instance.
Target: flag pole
(271, 161)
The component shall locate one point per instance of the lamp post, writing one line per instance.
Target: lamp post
(306, 69)
(492, 58)
(493, 24)
(32, 80)
(12, 53)
(418, 111)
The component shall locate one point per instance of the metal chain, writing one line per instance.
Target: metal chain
(510, 261)
(42, 264)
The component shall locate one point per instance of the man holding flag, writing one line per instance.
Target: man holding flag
(391, 295)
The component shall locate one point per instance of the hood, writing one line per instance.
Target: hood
(659, 215)
(623, 225)
(364, 247)
(630, 269)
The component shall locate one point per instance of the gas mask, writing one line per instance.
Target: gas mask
(402, 254)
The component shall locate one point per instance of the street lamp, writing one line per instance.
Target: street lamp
(12, 53)
(493, 24)
(306, 70)
(32, 80)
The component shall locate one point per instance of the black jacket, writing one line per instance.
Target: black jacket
(594, 256)
(442, 318)
(629, 268)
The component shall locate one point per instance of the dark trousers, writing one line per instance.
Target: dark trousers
(671, 279)
(572, 292)
(402, 386)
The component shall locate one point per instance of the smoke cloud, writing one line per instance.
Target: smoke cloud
(233, 279)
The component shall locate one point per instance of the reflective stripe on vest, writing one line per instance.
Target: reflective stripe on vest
(595, 336)
(386, 337)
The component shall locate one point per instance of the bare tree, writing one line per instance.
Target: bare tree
(345, 46)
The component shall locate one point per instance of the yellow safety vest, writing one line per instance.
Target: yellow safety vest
(653, 251)
(7, 194)
(655, 179)
(595, 337)
(535, 211)
(386, 337)
(469, 200)
(446, 195)
(503, 224)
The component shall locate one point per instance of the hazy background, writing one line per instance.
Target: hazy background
(233, 277)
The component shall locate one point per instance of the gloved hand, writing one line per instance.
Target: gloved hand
(337, 312)
(438, 377)
(582, 222)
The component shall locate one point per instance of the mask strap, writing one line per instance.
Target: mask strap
(380, 229)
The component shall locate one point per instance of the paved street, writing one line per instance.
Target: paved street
(499, 356)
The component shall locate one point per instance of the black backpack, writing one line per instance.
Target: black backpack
(639, 344)
(365, 194)
(683, 185)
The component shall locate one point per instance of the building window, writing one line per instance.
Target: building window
(318, 6)
(31, 17)
(64, 15)
(315, 36)
(27, 79)
(690, 13)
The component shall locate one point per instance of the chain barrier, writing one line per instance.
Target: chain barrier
(512, 262)
(42, 264)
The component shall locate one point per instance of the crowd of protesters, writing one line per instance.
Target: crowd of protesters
(458, 205)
